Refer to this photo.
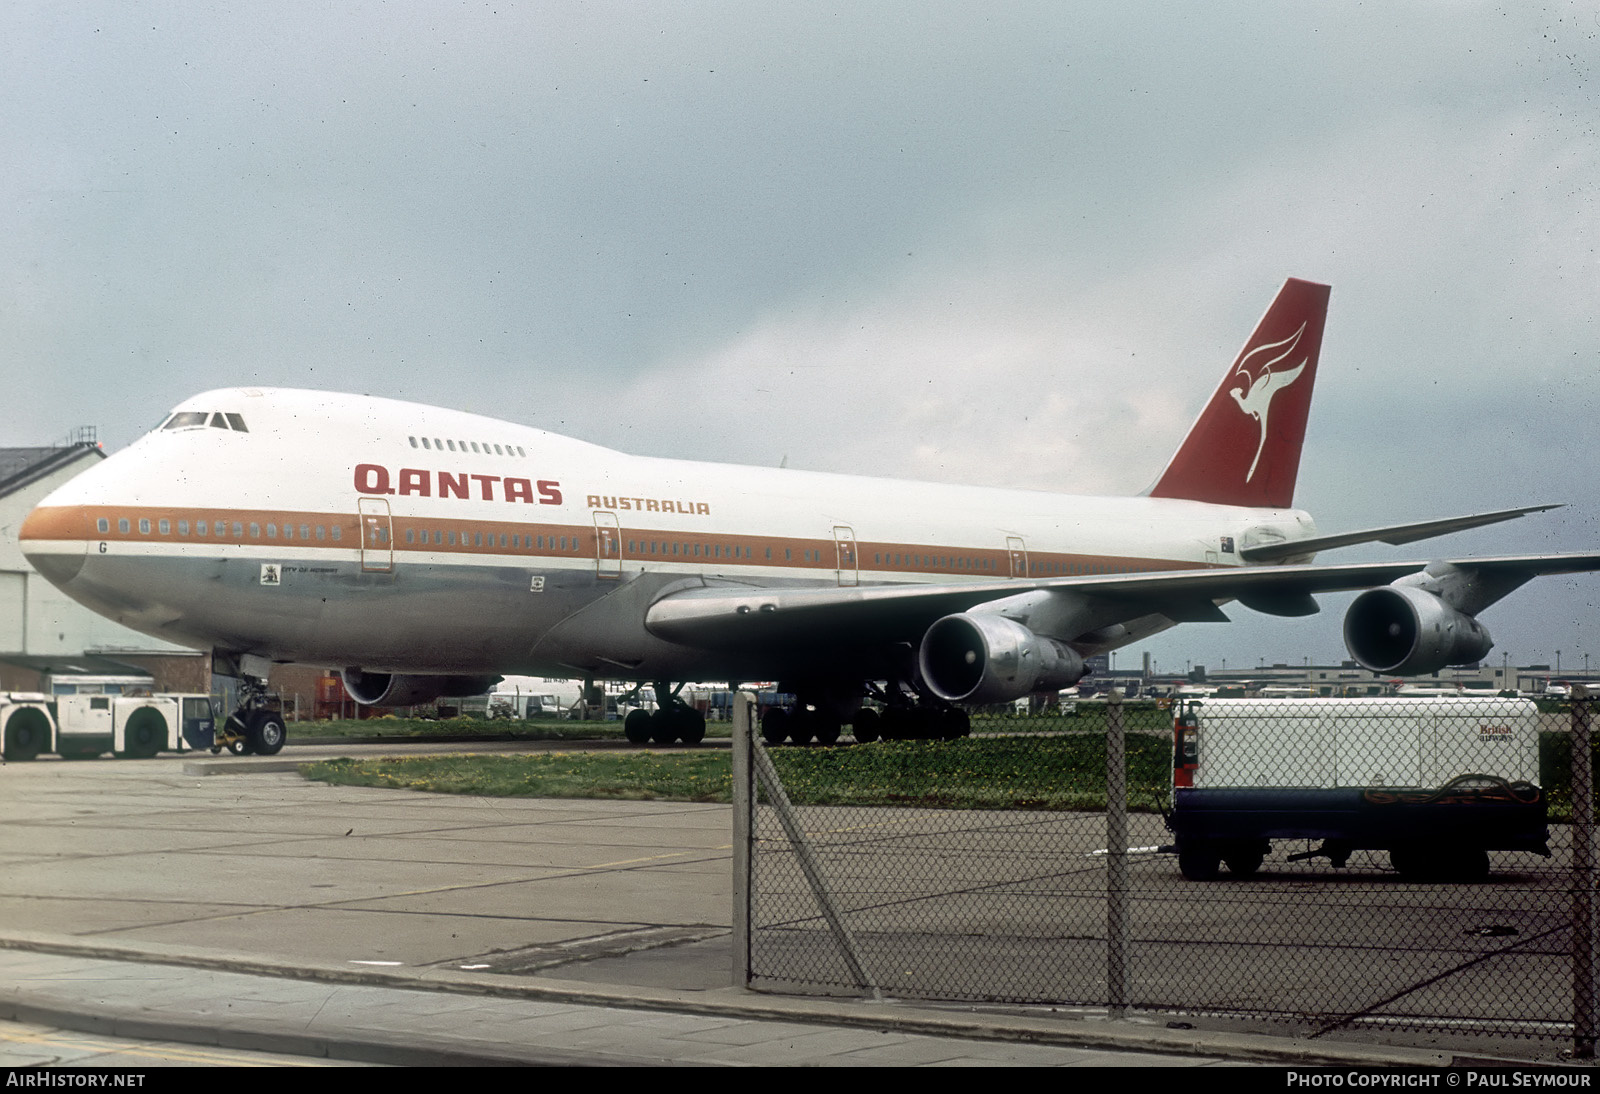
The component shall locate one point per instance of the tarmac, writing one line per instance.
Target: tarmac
(230, 902)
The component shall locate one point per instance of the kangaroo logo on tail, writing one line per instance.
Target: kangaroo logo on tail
(1255, 399)
(1225, 461)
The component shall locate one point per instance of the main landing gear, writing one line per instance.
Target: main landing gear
(672, 720)
(256, 726)
(904, 716)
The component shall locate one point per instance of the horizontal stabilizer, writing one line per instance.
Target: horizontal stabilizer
(1394, 534)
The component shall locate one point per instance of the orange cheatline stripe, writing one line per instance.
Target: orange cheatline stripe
(633, 545)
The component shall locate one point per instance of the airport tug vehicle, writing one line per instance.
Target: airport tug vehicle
(84, 726)
(1437, 783)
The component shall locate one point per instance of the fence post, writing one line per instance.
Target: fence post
(744, 705)
(1583, 878)
(1116, 856)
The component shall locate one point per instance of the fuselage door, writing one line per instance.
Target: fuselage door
(1019, 556)
(844, 543)
(607, 546)
(377, 536)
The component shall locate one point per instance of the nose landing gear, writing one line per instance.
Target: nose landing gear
(256, 726)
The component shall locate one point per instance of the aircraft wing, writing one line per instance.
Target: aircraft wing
(1394, 534)
(734, 616)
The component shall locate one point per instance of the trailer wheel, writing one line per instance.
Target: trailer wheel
(1199, 863)
(1470, 864)
(267, 733)
(1243, 861)
(145, 735)
(1408, 862)
(1467, 865)
(27, 733)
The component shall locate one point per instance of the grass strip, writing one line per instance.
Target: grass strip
(1063, 773)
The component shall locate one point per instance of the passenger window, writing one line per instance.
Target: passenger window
(321, 531)
(305, 531)
(122, 525)
(411, 535)
(272, 531)
(103, 524)
(288, 531)
(144, 526)
(165, 526)
(199, 527)
(183, 527)
(238, 530)
(255, 530)
(337, 532)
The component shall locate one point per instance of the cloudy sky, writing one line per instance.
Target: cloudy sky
(1011, 244)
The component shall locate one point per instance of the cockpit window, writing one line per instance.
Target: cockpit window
(237, 421)
(218, 422)
(186, 419)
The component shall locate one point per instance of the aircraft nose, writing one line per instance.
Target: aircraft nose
(54, 543)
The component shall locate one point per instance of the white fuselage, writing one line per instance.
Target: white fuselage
(354, 531)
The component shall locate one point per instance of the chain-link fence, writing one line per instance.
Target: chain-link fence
(1414, 864)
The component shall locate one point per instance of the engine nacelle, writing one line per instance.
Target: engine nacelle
(1403, 630)
(979, 658)
(395, 690)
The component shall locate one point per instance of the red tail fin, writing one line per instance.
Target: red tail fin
(1244, 449)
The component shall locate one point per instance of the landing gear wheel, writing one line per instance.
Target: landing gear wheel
(1199, 863)
(827, 730)
(636, 726)
(691, 725)
(803, 725)
(775, 725)
(662, 729)
(266, 733)
(865, 726)
(952, 723)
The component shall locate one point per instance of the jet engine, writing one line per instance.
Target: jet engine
(980, 658)
(1407, 631)
(394, 690)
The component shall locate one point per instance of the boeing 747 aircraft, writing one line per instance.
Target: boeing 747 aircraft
(428, 552)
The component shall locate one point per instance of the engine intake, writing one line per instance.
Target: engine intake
(1403, 630)
(396, 690)
(969, 658)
